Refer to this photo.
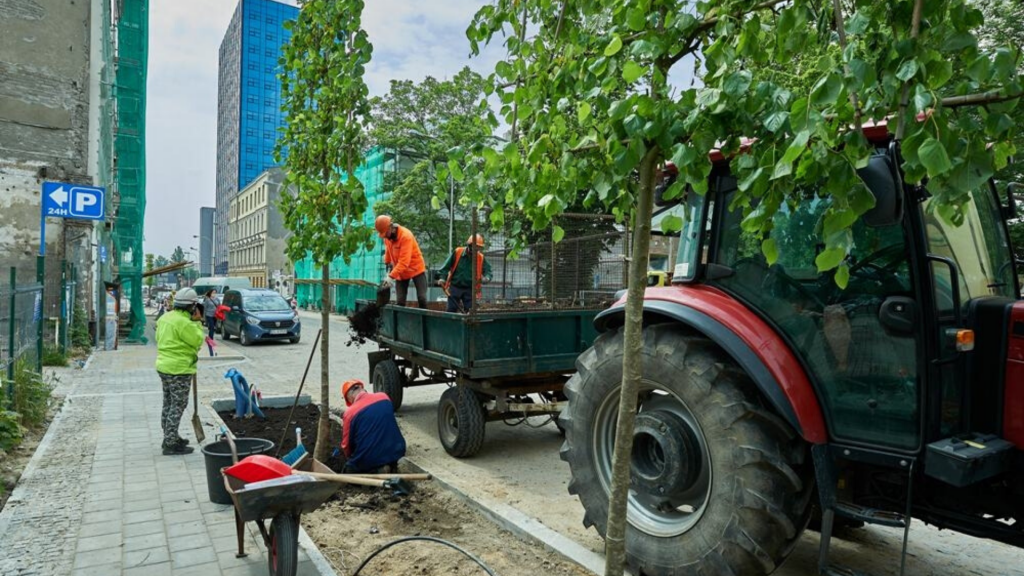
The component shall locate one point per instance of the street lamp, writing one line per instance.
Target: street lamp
(201, 238)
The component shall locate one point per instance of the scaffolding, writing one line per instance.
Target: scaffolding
(123, 156)
(366, 268)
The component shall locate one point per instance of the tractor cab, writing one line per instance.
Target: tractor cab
(770, 389)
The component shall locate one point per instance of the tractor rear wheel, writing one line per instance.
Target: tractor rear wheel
(719, 483)
(388, 378)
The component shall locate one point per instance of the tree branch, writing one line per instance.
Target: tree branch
(980, 99)
(915, 27)
(837, 13)
(515, 105)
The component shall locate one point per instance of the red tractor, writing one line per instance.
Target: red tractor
(770, 395)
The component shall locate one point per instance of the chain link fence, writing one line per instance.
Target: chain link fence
(583, 270)
(21, 308)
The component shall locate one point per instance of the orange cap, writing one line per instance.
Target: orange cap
(383, 224)
(348, 386)
(478, 240)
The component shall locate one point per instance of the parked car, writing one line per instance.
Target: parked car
(259, 314)
(221, 284)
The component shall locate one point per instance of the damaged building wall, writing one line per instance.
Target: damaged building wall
(44, 132)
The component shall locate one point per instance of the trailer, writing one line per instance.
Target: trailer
(499, 364)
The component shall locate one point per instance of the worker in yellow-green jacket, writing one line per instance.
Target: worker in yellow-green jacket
(179, 335)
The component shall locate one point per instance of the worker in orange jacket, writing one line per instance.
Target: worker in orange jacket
(404, 260)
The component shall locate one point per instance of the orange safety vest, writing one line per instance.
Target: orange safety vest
(477, 277)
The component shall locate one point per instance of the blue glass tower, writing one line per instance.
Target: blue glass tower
(248, 103)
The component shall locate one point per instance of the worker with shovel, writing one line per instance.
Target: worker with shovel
(464, 282)
(370, 436)
(404, 260)
(179, 335)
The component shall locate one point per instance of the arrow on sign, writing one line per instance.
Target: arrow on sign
(60, 196)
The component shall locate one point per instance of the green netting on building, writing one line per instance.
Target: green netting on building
(123, 152)
(365, 265)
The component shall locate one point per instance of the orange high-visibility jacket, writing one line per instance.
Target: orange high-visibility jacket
(403, 254)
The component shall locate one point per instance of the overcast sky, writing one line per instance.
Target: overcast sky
(411, 40)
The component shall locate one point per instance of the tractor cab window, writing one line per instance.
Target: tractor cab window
(977, 244)
(866, 377)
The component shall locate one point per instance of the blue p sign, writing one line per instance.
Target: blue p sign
(86, 203)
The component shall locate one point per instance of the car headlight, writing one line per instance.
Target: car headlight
(253, 321)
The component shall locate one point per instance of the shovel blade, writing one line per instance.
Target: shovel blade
(197, 427)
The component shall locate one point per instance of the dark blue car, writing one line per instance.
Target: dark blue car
(259, 314)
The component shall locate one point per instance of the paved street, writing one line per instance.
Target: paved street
(99, 498)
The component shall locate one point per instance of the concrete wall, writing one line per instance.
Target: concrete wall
(44, 123)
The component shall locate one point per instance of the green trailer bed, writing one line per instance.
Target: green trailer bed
(501, 364)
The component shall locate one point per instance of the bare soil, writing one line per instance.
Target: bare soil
(358, 521)
(278, 423)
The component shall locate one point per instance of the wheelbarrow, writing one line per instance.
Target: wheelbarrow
(282, 506)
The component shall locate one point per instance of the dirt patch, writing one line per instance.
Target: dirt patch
(277, 422)
(357, 521)
(362, 324)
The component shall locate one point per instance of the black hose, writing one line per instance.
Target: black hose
(425, 539)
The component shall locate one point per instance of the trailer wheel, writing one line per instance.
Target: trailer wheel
(719, 483)
(460, 422)
(283, 552)
(387, 378)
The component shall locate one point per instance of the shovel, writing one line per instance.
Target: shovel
(197, 426)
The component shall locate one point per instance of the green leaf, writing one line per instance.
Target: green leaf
(907, 70)
(798, 146)
(858, 24)
(830, 258)
(545, 200)
(922, 98)
(843, 276)
(782, 169)
(636, 19)
(737, 83)
(435, 203)
(770, 251)
(934, 158)
(455, 171)
(1002, 153)
(827, 90)
(671, 224)
(557, 234)
(614, 46)
(583, 112)
(632, 71)
(673, 191)
(775, 121)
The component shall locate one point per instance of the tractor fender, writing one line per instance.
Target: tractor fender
(751, 342)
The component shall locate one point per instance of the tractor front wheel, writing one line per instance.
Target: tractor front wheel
(718, 483)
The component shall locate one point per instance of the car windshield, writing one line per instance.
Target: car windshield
(266, 303)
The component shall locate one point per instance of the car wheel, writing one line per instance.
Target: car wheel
(294, 340)
(243, 337)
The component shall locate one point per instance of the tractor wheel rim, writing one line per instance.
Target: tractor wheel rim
(669, 488)
(449, 423)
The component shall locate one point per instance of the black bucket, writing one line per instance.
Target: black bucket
(218, 455)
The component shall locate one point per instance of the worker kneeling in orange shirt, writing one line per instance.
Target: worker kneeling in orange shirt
(404, 260)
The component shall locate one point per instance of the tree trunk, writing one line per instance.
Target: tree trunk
(632, 370)
(323, 437)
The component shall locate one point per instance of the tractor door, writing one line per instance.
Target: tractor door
(970, 268)
(859, 345)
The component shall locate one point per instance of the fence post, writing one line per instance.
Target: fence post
(40, 321)
(10, 334)
(552, 267)
(62, 326)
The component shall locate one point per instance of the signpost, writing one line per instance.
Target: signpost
(69, 201)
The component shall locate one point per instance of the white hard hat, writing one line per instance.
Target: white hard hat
(185, 298)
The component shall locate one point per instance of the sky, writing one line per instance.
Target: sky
(412, 40)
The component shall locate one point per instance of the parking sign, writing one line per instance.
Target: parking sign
(63, 200)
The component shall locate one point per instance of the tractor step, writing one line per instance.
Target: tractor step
(870, 515)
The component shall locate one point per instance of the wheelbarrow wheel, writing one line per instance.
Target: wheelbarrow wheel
(283, 550)
(460, 422)
(387, 378)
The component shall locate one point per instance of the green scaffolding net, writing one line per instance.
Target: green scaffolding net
(366, 265)
(123, 156)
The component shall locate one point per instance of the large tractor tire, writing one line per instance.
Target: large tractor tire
(719, 483)
(461, 422)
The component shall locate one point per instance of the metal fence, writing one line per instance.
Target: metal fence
(584, 269)
(21, 309)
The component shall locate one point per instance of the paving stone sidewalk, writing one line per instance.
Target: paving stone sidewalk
(99, 498)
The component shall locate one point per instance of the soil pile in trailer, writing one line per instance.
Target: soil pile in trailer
(359, 520)
(277, 422)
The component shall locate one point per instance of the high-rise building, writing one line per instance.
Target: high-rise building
(248, 103)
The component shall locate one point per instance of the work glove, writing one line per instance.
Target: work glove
(386, 283)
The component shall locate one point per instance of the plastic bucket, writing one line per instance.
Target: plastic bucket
(218, 455)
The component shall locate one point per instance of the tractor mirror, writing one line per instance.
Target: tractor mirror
(1012, 190)
(882, 178)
